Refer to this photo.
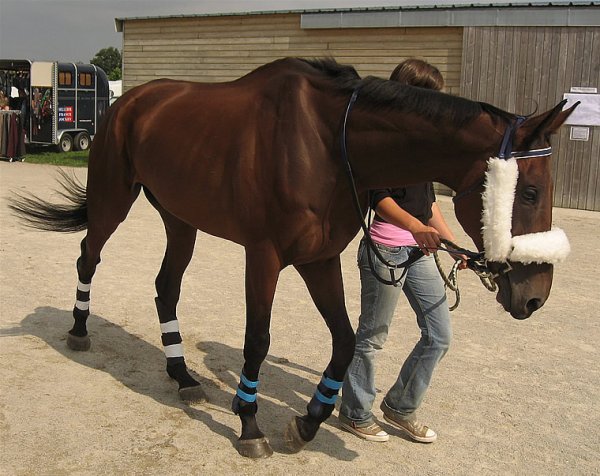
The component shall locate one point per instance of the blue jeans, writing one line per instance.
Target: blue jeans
(425, 291)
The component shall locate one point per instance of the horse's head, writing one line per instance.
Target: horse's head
(515, 210)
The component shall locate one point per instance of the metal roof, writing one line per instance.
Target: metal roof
(442, 13)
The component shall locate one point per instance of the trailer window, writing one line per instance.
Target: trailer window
(85, 79)
(65, 78)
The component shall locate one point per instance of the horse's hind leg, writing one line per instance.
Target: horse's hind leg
(181, 238)
(324, 282)
(104, 217)
(77, 338)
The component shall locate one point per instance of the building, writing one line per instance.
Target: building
(520, 57)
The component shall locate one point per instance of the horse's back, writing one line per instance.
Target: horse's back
(233, 159)
(174, 112)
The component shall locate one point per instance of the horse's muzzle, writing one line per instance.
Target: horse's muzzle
(524, 289)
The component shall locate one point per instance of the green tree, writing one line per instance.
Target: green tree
(115, 74)
(109, 59)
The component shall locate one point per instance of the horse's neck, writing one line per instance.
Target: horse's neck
(383, 154)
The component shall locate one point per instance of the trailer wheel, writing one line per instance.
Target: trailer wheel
(82, 141)
(66, 143)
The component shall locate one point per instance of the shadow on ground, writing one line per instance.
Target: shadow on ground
(140, 367)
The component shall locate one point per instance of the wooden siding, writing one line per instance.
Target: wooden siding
(524, 70)
(223, 48)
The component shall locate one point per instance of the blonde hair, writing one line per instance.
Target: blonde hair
(416, 72)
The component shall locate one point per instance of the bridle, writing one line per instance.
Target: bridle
(498, 197)
(477, 261)
(506, 153)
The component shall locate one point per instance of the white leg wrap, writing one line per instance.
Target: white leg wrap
(82, 305)
(175, 350)
(171, 326)
(84, 288)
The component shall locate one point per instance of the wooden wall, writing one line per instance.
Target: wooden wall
(523, 69)
(519, 69)
(223, 48)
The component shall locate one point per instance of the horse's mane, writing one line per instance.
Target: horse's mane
(382, 93)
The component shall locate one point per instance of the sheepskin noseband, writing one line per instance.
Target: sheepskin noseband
(499, 244)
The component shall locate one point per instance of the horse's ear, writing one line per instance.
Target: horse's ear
(560, 118)
(549, 122)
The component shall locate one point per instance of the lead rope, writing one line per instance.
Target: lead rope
(450, 280)
(475, 262)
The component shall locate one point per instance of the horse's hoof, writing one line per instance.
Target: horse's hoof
(256, 448)
(78, 343)
(293, 440)
(193, 394)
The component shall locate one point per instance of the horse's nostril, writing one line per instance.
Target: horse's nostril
(534, 305)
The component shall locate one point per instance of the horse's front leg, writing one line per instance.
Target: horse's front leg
(324, 282)
(262, 272)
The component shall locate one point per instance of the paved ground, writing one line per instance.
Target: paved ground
(511, 397)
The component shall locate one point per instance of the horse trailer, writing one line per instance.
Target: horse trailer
(59, 104)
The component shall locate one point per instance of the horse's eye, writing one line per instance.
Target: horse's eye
(529, 194)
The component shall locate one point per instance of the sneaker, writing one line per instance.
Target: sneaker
(366, 431)
(411, 427)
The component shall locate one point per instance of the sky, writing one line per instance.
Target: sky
(75, 30)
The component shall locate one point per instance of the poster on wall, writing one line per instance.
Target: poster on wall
(41, 114)
(588, 112)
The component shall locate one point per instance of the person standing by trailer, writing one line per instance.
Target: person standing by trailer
(405, 217)
(24, 108)
(4, 103)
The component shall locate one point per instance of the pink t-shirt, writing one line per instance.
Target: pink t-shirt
(390, 235)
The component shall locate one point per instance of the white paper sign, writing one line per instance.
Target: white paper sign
(580, 133)
(584, 89)
(587, 113)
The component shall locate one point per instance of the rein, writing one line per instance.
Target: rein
(413, 256)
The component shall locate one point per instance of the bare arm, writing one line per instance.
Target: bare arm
(438, 222)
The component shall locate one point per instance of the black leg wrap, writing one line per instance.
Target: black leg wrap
(77, 338)
(319, 411)
(190, 390)
(242, 408)
(80, 326)
(319, 408)
(178, 371)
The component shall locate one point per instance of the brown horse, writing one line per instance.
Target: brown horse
(258, 161)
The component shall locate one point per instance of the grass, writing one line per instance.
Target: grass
(68, 159)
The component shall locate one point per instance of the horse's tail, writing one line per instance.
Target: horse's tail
(42, 215)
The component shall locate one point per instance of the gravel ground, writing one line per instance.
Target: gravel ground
(511, 397)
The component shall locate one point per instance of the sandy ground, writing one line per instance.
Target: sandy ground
(511, 397)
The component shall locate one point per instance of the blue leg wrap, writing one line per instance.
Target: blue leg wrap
(247, 389)
(323, 401)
